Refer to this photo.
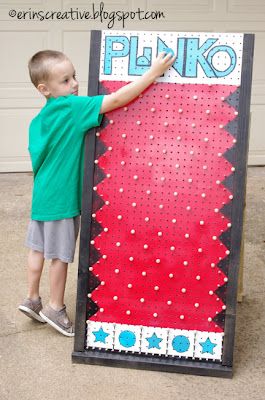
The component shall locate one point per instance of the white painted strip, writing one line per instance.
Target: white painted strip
(202, 58)
(155, 340)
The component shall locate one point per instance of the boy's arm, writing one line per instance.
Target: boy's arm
(129, 92)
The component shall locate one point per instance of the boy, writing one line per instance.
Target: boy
(56, 141)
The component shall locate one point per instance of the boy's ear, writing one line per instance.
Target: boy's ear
(43, 89)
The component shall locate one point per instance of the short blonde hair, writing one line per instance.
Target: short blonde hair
(40, 65)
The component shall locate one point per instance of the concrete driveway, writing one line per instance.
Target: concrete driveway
(35, 361)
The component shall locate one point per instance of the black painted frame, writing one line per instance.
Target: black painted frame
(118, 359)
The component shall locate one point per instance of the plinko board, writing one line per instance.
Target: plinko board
(163, 201)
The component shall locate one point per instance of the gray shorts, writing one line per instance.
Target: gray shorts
(55, 239)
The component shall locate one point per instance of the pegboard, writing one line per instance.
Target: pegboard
(163, 202)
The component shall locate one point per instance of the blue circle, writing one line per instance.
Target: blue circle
(127, 339)
(180, 343)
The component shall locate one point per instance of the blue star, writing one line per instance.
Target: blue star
(154, 342)
(207, 346)
(100, 336)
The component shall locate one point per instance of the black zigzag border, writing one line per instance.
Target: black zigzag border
(226, 210)
(96, 227)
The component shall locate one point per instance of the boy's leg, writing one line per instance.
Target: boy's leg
(35, 267)
(55, 312)
(58, 275)
(32, 305)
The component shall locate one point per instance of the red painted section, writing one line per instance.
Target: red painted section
(180, 164)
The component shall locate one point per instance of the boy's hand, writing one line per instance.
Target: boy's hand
(129, 92)
(162, 63)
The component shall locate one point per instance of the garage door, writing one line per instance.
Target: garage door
(22, 35)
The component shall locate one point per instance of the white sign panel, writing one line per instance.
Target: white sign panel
(202, 58)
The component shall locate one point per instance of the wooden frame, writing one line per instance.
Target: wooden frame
(102, 357)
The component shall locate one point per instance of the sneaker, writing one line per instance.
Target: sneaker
(31, 308)
(59, 320)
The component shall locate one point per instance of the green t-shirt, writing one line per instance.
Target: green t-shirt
(56, 146)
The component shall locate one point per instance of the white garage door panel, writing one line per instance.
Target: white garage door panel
(76, 44)
(14, 124)
(13, 63)
(19, 100)
(248, 7)
(257, 137)
(256, 143)
(171, 7)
